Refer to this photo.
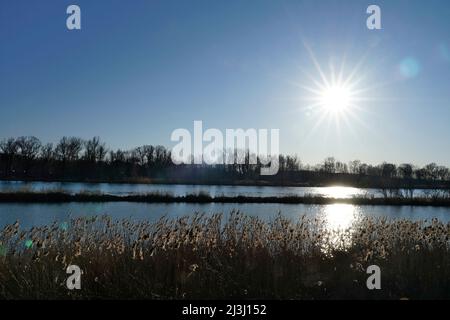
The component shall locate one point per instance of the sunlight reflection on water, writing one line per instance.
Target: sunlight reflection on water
(340, 220)
(341, 216)
(341, 192)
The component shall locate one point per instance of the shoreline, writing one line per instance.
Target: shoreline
(63, 197)
(241, 183)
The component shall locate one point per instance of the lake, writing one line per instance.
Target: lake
(339, 215)
(181, 190)
(336, 215)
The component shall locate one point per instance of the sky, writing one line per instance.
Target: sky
(137, 70)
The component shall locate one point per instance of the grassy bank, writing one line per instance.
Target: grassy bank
(61, 197)
(242, 257)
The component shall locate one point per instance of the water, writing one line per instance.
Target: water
(180, 190)
(338, 216)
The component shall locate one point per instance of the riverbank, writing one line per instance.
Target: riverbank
(210, 257)
(63, 197)
(363, 184)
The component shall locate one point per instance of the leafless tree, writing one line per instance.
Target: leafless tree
(95, 151)
(329, 165)
(117, 156)
(149, 152)
(47, 152)
(139, 153)
(405, 170)
(9, 147)
(354, 166)
(68, 149)
(431, 171)
(292, 163)
(388, 170)
(28, 147)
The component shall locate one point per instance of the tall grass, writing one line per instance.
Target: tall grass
(214, 257)
(437, 198)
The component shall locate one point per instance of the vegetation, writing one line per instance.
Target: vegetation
(239, 257)
(73, 159)
(430, 198)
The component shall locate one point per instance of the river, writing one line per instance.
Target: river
(337, 215)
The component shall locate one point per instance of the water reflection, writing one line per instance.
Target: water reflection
(339, 220)
(335, 216)
(341, 192)
(340, 216)
(182, 190)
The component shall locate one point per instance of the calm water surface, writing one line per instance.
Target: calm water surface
(180, 190)
(337, 216)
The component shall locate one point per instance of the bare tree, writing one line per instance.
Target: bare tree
(62, 149)
(341, 167)
(68, 149)
(354, 166)
(421, 174)
(160, 155)
(329, 165)
(9, 148)
(95, 151)
(388, 170)
(431, 171)
(292, 163)
(139, 154)
(149, 152)
(29, 147)
(117, 156)
(405, 170)
(75, 147)
(47, 152)
(443, 173)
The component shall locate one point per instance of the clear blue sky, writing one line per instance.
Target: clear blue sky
(140, 69)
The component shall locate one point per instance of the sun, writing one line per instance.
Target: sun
(335, 98)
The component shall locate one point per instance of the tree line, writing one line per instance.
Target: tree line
(75, 159)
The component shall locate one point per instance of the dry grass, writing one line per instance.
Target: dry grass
(216, 258)
(436, 198)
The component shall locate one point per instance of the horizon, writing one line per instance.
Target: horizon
(134, 73)
(302, 165)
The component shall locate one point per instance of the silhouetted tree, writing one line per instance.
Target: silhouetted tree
(9, 149)
(68, 149)
(431, 171)
(405, 171)
(28, 150)
(94, 150)
(47, 153)
(26, 158)
(354, 167)
(329, 165)
(388, 170)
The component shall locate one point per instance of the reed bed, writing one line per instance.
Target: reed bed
(233, 257)
(438, 199)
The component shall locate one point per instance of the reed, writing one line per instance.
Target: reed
(441, 199)
(213, 257)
